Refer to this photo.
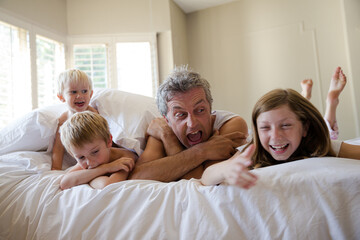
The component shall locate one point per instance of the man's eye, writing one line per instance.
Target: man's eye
(179, 115)
(264, 128)
(201, 110)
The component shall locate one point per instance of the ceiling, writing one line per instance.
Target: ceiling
(189, 6)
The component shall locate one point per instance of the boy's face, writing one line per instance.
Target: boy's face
(93, 154)
(77, 96)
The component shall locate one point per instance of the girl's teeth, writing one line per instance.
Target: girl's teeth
(279, 147)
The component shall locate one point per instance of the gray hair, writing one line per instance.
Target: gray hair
(182, 80)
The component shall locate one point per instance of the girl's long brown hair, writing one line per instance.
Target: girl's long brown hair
(317, 141)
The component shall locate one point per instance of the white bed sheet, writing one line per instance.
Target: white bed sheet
(315, 198)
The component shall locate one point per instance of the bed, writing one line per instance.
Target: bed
(317, 198)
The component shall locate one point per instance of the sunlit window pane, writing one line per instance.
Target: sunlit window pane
(15, 74)
(92, 59)
(134, 68)
(50, 62)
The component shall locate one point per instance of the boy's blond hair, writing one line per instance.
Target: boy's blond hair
(83, 127)
(72, 76)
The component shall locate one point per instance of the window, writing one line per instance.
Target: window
(92, 59)
(30, 64)
(15, 73)
(134, 68)
(128, 62)
(50, 62)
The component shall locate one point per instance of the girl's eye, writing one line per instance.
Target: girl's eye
(81, 158)
(264, 128)
(73, 92)
(286, 125)
(84, 91)
(95, 152)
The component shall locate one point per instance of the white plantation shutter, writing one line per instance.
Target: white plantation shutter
(92, 59)
(15, 73)
(50, 62)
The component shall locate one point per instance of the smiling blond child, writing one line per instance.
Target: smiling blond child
(74, 89)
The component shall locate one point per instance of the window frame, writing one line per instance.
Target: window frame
(34, 30)
(110, 41)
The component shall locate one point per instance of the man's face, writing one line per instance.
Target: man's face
(189, 117)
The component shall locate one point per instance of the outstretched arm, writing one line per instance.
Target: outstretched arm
(232, 171)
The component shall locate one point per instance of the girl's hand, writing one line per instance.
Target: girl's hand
(235, 170)
(124, 163)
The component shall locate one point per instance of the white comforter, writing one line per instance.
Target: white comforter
(315, 198)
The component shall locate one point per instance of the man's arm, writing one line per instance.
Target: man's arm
(235, 124)
(57, 153)
(160, 130)
(58, 148)
(154, 164)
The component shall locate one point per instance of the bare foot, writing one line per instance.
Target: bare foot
(306, 86)
(337, 84)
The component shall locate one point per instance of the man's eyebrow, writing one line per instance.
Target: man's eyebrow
(200, 101)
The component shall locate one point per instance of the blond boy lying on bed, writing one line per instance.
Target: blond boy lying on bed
(87, 138)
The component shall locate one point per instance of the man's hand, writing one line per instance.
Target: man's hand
(220, 147)
(158, 128)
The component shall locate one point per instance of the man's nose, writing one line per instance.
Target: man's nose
(192, 121)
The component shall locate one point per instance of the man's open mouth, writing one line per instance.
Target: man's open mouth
(194, 137)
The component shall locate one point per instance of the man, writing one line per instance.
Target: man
(189, 137)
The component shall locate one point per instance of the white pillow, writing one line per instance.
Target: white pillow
(31, 132)
(128, 116)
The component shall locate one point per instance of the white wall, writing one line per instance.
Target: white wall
(247, 48)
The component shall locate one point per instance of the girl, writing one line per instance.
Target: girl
(286, 127)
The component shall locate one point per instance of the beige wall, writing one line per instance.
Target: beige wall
(247, 48)
(113, 16)
(244, 48)
(179, 35)
(48, 14)
(352, 26)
